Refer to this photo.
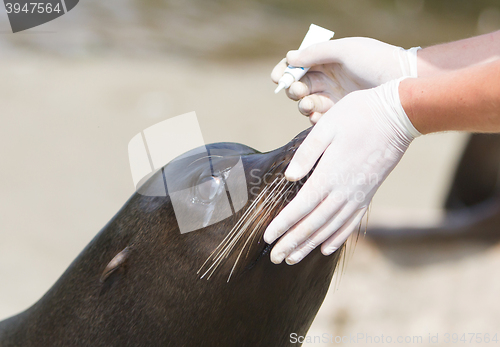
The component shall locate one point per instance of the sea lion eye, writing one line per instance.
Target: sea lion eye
(208, 188)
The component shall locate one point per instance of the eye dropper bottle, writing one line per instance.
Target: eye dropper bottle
(315, 34)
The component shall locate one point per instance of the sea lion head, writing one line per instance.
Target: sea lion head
(157, 274)
(225, 195)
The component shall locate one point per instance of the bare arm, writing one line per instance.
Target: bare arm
(458, 54)
(467, 99)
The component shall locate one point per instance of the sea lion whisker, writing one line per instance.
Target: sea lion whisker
(249, 214)
(228, 236)
(226, 249)
(226, 245)
(275, 194)
(239, 255)
(251, 237)
(254, 233)
(260, 210)
(277, 201)
(269, 201)
(251, 210)
(262, 220)
(234, 235)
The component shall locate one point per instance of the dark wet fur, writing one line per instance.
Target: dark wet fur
(153, 296)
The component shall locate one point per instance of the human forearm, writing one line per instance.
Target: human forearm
(455, 55)
(465, 100)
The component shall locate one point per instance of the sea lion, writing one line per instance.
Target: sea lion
(138, 282)
(472, 207)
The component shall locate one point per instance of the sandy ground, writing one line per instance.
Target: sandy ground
(64, 135)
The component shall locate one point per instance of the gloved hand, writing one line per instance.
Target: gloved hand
(360, 139)
(341, 66)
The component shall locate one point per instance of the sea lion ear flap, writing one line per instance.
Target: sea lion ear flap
(115, 263)
(477, 175)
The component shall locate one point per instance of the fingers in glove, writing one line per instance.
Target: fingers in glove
(336, 240)
(302, 231)
(278, 70)
(309, 152)
(312, 82)
(315, 117)
(309, 196)
(319, 102)
(298, 90)
(337, 222)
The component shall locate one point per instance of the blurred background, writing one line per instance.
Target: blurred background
(74, 91)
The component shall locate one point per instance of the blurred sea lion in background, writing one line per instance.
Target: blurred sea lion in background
(472, 207)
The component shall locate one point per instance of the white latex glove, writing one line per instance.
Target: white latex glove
(341, 66)
(360, 139)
